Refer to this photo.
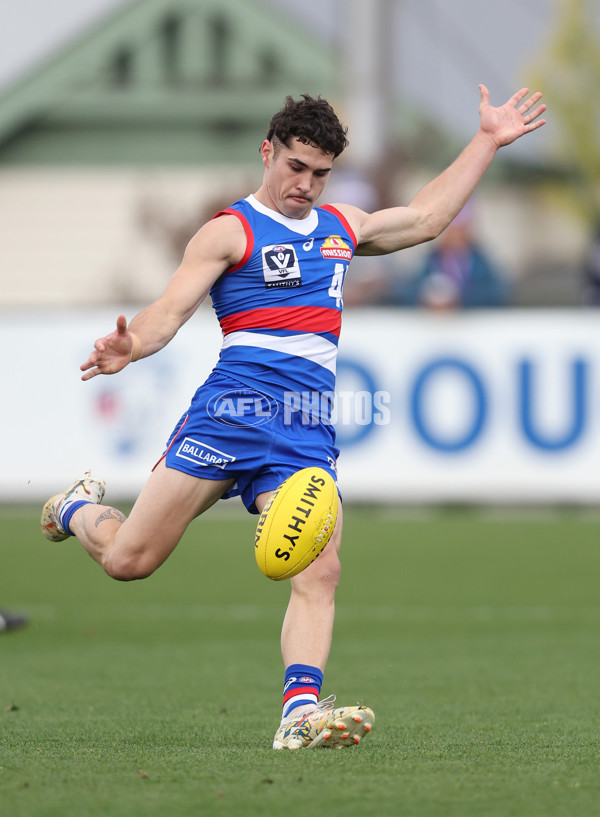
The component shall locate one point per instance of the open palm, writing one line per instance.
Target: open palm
(511, 120)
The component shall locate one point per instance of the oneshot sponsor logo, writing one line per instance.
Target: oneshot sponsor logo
(202, 454)
(362, 408)
(236, 407)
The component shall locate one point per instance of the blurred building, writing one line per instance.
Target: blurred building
(116, 148)
(111, 151)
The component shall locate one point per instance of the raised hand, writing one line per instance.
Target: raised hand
(111, 354)
(511, 120)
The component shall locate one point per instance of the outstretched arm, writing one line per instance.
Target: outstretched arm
(436, 205)
(215, 247)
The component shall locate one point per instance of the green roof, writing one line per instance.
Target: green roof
(164, 82)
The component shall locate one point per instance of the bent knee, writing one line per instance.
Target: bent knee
(330, 568)
(323, 574)
(128, 567)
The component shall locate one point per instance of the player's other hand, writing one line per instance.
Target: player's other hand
(511, 120)
(111, 354)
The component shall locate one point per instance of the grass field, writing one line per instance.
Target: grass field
(475, 638)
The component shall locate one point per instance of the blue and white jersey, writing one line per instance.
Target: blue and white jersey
(280, 307)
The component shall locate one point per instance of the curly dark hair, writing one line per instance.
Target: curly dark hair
(310, 120)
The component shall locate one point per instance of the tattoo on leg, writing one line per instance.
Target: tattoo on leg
(111, 513)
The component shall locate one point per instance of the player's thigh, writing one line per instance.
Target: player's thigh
(165, 507)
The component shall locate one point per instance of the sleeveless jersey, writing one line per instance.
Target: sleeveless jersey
(280, 307)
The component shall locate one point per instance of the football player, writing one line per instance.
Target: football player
(274, 264)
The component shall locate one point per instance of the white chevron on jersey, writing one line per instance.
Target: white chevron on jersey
(309, 346)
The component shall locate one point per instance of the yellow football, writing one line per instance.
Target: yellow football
(296, 523)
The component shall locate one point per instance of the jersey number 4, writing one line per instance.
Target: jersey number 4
(337, 284)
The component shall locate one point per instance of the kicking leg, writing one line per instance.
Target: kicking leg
(133, 547)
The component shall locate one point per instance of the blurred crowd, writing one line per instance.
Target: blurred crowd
(458, 271)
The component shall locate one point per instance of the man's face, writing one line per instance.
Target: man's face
(295, 177)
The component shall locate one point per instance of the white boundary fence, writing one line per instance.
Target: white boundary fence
(483, 407)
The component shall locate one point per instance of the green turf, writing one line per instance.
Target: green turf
(475, 639)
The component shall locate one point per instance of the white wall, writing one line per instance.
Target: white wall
(83, 237)
(498, 406)
(86, 237)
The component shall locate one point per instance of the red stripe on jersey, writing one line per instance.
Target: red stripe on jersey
(297, 318)
(249, 236)
(292, 693)
(331, 209)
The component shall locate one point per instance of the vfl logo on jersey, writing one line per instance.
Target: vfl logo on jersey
(336, 247)
(280, 266)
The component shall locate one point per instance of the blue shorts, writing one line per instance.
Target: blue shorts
(233, 431)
